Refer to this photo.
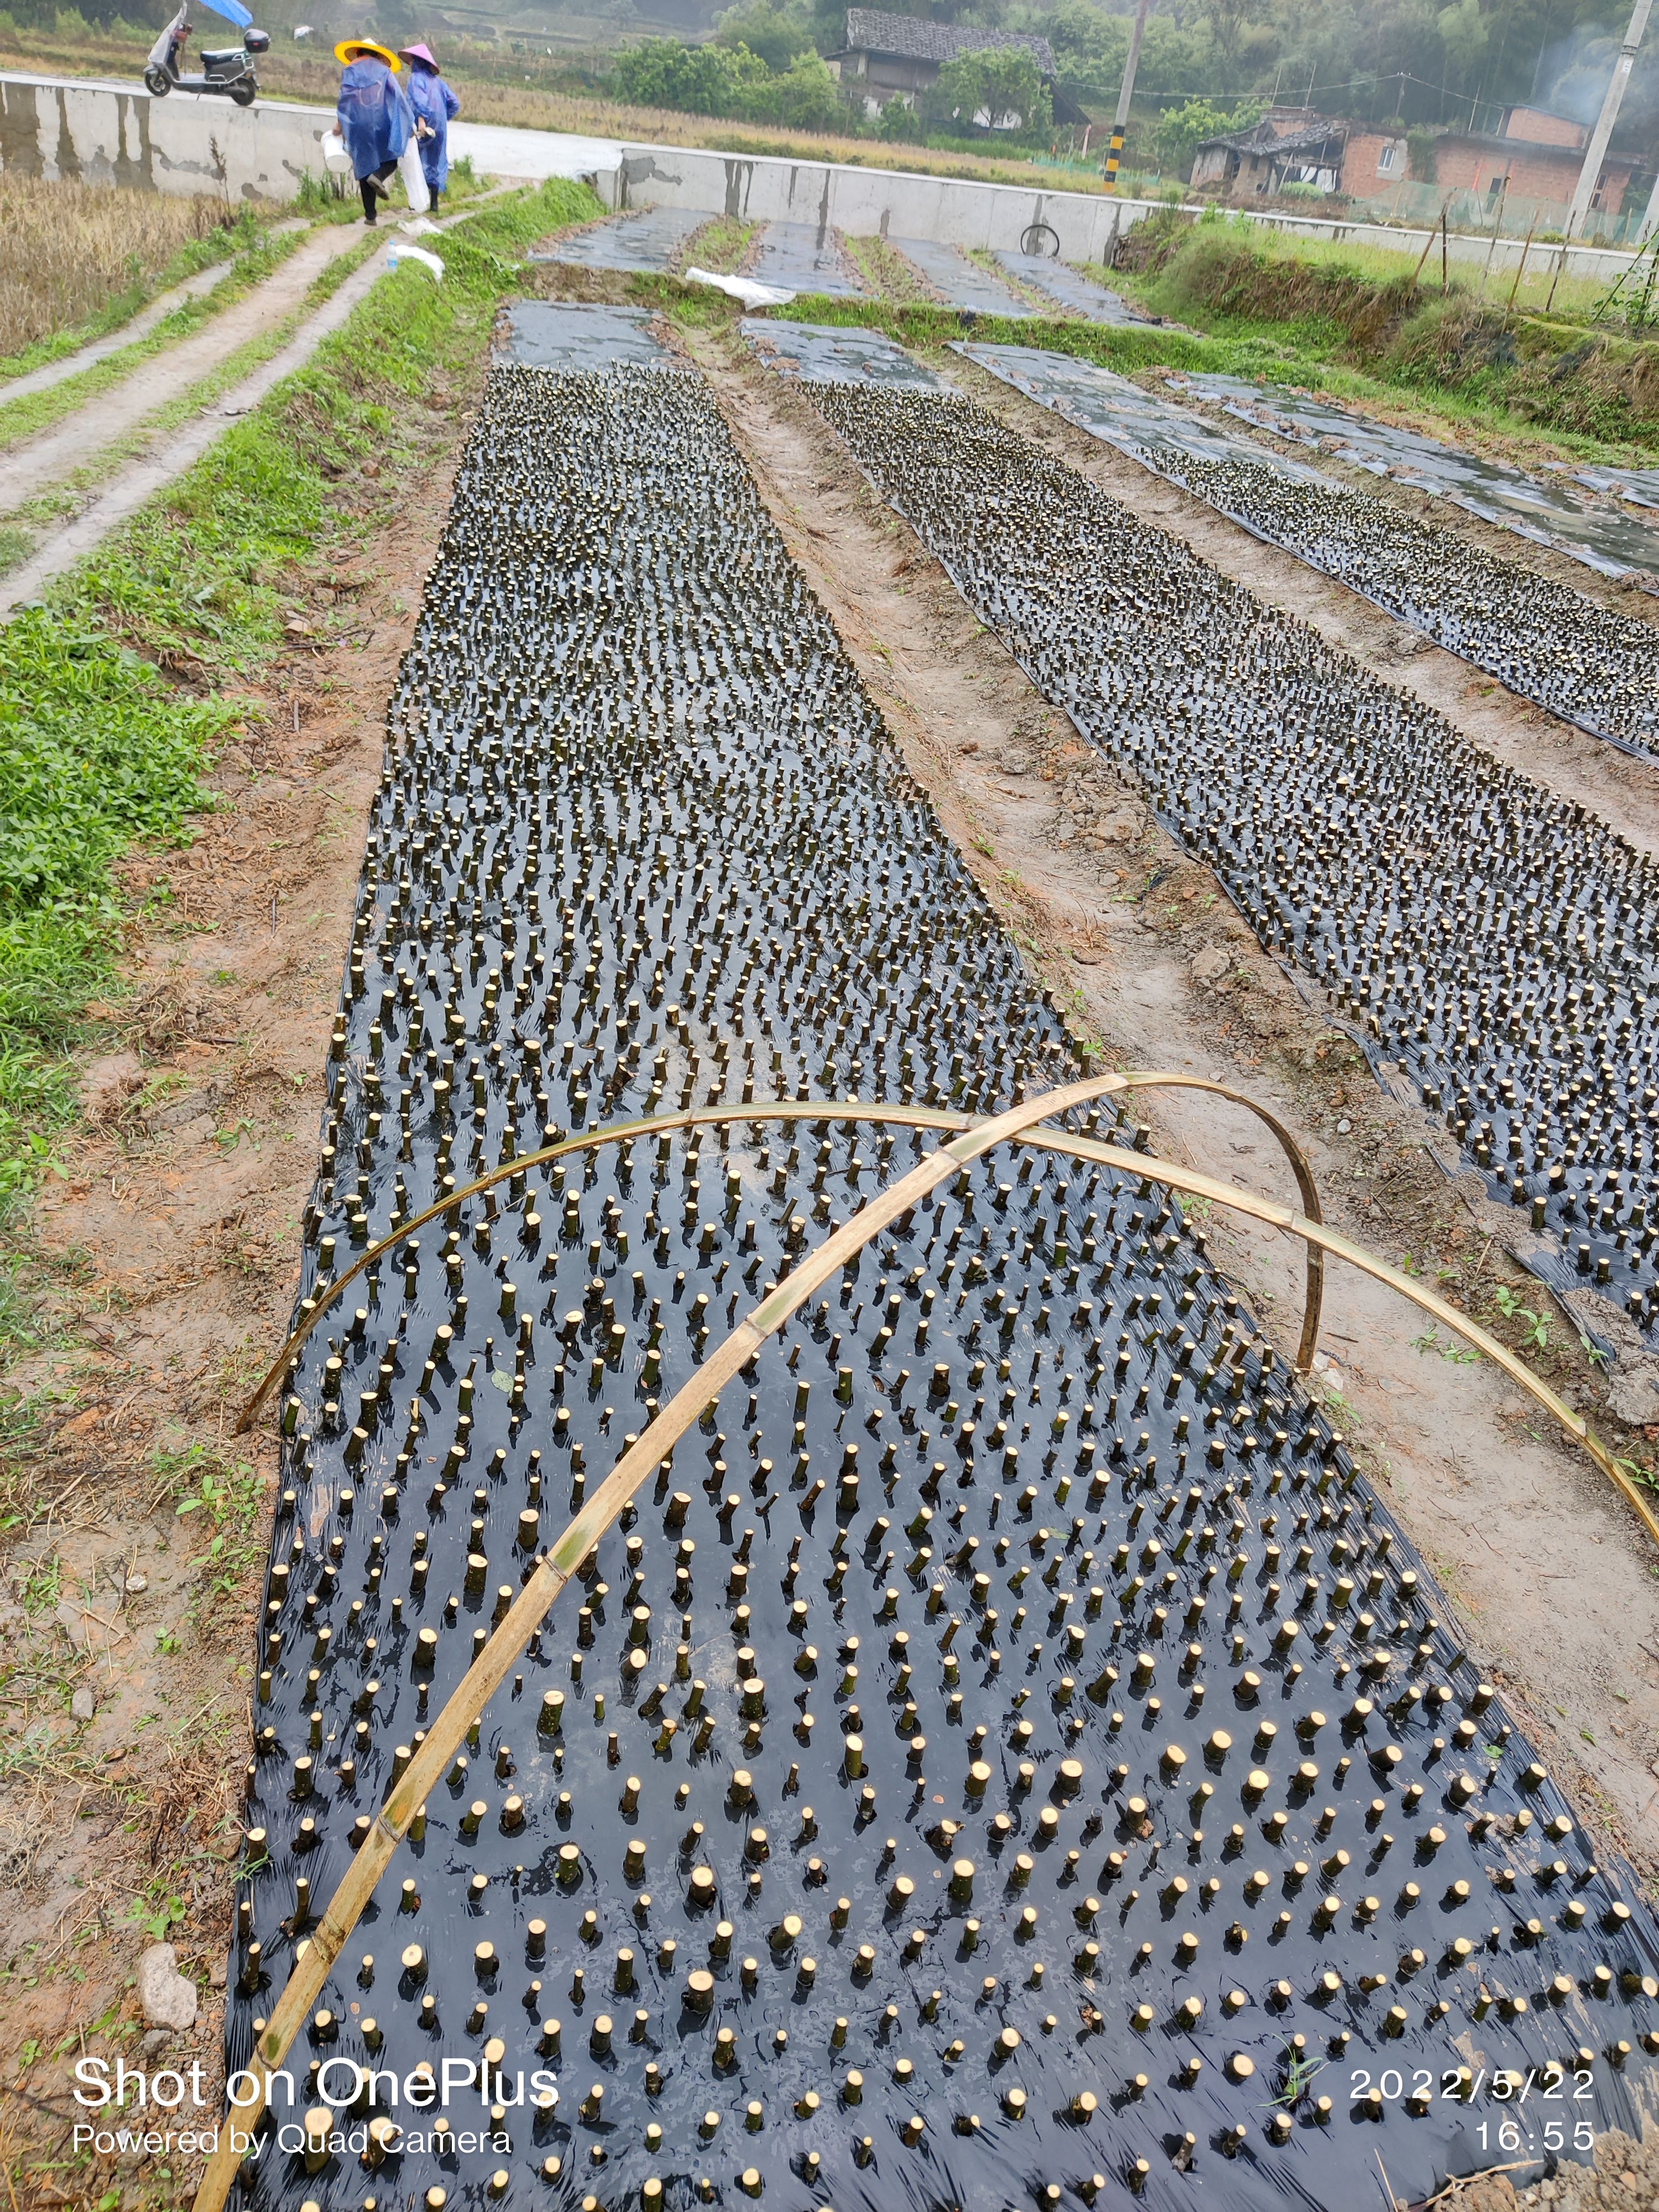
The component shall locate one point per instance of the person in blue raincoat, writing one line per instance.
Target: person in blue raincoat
(434, 102)
(376, 120)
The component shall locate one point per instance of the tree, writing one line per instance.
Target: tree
(805, 96)
(694, 80)
(1230, 22)
(780, 35)
(1463, 31)
(996, 88)
(1182, 131)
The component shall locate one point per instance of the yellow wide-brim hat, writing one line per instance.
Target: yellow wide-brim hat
(349, 49)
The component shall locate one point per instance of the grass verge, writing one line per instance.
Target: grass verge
(1321, 312)
(113, 695)
(1264, 353)
(884, 268)
(717, 245)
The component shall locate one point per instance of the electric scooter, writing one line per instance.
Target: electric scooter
(225, 69)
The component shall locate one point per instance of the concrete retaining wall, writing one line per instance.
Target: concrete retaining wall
(871, 202)
(890, 204)
(186, 144)
(118, 133)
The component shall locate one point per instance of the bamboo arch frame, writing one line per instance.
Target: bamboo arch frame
(315, 1958)
(795, 1109)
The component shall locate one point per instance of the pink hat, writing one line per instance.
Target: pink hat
(418, 54)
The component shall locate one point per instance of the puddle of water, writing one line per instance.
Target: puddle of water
(1549, 511)
(834, 356)
(642, 242)
(959, 281)
(797, 257)
(565, 334)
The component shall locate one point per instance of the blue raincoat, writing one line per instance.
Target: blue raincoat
(434, 102)
(376, 120)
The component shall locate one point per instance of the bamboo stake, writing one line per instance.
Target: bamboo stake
(1561, 264)
(1428, 247)
(315, 1958)
(1519, 265)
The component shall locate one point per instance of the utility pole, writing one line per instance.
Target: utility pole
(1115, 152)
(1595, 153)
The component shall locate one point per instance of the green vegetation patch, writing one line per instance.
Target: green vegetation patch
(1459, 347)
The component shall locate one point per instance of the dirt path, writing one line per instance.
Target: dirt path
(1621, 791)
(129, 486)
(1557, 1592)
(74, 364)
(38, 463)
(166, 1261)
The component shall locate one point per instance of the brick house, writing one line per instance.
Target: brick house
(899, 57)
(1373, 160)
(1539, 155)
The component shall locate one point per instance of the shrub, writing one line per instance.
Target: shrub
(778, 37)
(993, 88)
(1182, 130)
(710, 80)
(805, 95)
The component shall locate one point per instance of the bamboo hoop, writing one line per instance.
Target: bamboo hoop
(835, 1110)
(314, 1960)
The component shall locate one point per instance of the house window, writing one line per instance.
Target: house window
(1385, 161)
(1495, 186)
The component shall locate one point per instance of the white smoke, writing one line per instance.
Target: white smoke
(1574, 73)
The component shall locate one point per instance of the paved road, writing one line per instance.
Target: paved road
(497, 151)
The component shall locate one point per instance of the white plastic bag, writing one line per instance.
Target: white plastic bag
(416, 254)
(414, 176)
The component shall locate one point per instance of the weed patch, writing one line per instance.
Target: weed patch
(1459, 349)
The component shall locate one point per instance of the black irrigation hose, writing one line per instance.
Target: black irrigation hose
(1501, 942)
(1543, 640)
(1009, 1756)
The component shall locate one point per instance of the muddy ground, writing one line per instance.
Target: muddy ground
(166, 1257)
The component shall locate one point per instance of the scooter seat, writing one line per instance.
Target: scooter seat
(221, 56)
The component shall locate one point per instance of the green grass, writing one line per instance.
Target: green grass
(1552, 392)
(717, 245)
(924, 325)
(100, 750)
(1361, 322)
